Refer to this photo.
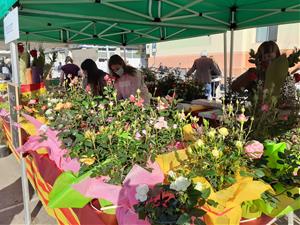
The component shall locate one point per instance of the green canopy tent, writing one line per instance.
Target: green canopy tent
(130, 22)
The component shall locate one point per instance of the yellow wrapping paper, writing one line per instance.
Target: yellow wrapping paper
(228, 211)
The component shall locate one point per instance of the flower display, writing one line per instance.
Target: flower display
(110, 131)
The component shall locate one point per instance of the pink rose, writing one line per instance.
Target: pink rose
(265, 108)
(32, 102)
(44, 107)
(284, 117)
(138, 136)
(242, 118)
(140, 103)
(132, 98)
(254, 149)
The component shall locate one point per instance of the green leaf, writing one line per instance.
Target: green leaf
(198, 221)
(197, 212)
(206, 193)
(259, 173)
(184, 219)
(212, 203)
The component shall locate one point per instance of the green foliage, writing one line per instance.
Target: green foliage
(110, 136)
(164, 205)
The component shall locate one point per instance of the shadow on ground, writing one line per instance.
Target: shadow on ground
(12, 201)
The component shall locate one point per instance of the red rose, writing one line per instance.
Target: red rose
(33, 53)
(20, 48)
(252, 76)
(297, 77)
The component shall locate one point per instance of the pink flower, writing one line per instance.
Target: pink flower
(161, 123)
(138, 136)
(88, 88)
(18, 107)
(162, 106)
(179, 145)
(140, 103)
(109, 80)
(32, 102)
(44, 107)
(132, 98)
(242, 118)
(284, 117)
(254, 149)
(170, 99)
(265, 108)
(127, 126)
(109, 119)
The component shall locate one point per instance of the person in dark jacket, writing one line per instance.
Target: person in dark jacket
(68, 72)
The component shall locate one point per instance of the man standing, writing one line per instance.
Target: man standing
(204, 68)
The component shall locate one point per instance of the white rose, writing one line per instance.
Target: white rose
(180, 184)
(141, 192)
(51, 118)
(199, 186)
(43, 128)
(48, 112)
(142, 189)
(172, 174)
(49, 104)
(175, 126)
(140, 197)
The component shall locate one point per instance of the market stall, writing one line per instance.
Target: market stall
(137, 22)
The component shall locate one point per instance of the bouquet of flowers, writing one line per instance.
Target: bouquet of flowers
(178, 202)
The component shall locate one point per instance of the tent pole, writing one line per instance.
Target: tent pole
(231, 55)
(225, 62)
(16, 81)
(124, 49)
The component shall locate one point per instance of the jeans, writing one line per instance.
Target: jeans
(207, 90)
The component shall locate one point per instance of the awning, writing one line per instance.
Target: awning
(129, 22)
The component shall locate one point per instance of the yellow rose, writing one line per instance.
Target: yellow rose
(59, 106)
(199, 143)
(223, 131)
(215, 153)
(212, 133)
(68, 105)
(89, 135)
(87, 160)
(239, 144)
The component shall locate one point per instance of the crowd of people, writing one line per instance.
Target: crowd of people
(127, 78)
(204, 71)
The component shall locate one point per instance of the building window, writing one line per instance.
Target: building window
(266, 34)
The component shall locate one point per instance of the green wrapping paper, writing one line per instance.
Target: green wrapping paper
(250, 210)
(286, 204)
(64, 196)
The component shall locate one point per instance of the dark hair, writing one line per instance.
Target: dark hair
(93, 76)
(117, 60)
(68, 59)
(267, 47)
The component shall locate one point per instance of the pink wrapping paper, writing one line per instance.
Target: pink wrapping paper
(123, 197)
(52, 143)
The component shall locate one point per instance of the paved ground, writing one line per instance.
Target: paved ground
(11, 206)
